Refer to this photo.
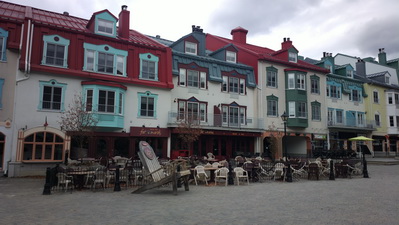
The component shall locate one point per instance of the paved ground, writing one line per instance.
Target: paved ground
(343, 201)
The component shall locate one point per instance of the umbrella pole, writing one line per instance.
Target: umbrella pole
(365, 172)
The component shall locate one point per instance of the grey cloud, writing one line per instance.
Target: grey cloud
(258, 16)
(379, 33)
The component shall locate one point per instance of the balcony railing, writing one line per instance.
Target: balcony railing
(217, 120)
(352, 123)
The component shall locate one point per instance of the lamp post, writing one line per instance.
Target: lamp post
(284, 117)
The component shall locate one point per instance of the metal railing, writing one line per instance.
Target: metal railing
(217, 120)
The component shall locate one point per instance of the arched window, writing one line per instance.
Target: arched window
(43, 146)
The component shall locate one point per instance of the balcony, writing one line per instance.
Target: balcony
(108, 119)
(210, 121)
(352, 124)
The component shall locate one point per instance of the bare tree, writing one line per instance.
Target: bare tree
(189, 131)
(78, 121)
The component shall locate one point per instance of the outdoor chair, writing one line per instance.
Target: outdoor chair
(64, 181)
(221, 174)
(356, 169)
(265, 171)
(99, 178)
(313, 171)
(239, 161)
(299, 173)
(279, 171)
(124, 177)
(249, 167)
(200, 174)
(240, 173)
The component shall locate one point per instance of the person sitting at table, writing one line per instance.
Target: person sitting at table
(211, 156)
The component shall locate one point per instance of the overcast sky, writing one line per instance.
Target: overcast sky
(353, 27)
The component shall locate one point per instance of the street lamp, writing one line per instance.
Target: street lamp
(284, 117)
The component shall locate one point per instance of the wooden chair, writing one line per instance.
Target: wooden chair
(159, 175)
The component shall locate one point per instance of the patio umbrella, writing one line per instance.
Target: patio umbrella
(363, 150)
(360, 138)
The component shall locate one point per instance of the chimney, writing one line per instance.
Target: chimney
(123, 28)
(382, 56)
(361, 68)
(286, 43)
(239, 35)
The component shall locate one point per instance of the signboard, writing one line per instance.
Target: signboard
(149, 132)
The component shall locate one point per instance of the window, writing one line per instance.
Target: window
(333, 90)
(43, 146)
(387, 79)
(296, 81)
(349, 73)
(89, 100)
(377, 120)
(271, 77)
(271, 108)
(195, 79)
(231, 57)
(190, 48)
(291, 109)
(105, 59)
(300, 84)
(234, 85)
(302, 110)
(396, 99)
(52, 95)
(360, 119)
(106, 27)
(391, 121)
(355, 95)
(291, 81)
(376, 97)
(390, 98)
(3, 44)
(316, 111)
(339, 116)
(315, 85)
(192, 110)
(147, 104)
(234, 115)
(55, 52)
(149, 66)
(106, 101)
(292, 57)
(192, 78)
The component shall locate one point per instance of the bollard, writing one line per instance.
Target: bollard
(230, 178)
(365, 172)
(117, 186)
(332, 177)
(47, 185)
(289, 174)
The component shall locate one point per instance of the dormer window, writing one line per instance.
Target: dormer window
(190, 48)
(387, 79)
(231, 57)
(292, 57)
(106, 27)
(349, 73)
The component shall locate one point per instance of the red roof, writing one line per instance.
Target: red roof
(267, 54)
(10, 11)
